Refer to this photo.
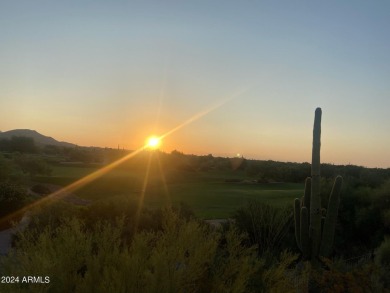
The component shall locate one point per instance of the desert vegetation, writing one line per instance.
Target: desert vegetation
(140, 227)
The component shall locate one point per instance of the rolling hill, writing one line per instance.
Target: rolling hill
(39, 139)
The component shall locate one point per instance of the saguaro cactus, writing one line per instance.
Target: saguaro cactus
(313, 232)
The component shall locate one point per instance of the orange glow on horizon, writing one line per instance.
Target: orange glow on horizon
(153, 142)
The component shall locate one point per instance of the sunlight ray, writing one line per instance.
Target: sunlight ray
(71, 187)
(143, 191)
(206, 111)
(93, 176)
(162, 174)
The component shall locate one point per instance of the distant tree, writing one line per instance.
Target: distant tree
(238, 163)
(252, 168)
(22, 144)
(177, 153)
(32, 165)
(369, 177)
(352, 171)
(52, 150)
(222, 164)
(79, 155)
(5, 145)
(5, 169)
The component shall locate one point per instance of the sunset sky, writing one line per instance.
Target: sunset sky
(109, 73)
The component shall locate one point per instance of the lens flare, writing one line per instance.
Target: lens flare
(153, 142)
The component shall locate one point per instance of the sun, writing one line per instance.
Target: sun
(153, 142)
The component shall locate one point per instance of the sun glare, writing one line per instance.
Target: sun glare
(153, 142)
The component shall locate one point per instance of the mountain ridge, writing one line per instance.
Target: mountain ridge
(38, 138)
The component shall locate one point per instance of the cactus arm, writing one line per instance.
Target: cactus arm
(330, 220)
(305, 243)
(315, 201)
(297, 218)
(307, 192)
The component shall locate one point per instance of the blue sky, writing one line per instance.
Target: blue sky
(113, 72)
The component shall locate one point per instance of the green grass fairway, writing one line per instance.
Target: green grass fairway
(206, 193)
(220, 200)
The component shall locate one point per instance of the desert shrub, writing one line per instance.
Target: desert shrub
(5, 169)
(109, 209)
(12, 198)
(381, 204)
(382, 259)
(58, 253)
(182, 257)
(265, 225)
(338, 276)
(40, 189)
(184, 211)
(51, 214)
(363, 211)
(32, 165)
(279, 277)
(235, 266)
(136, 218)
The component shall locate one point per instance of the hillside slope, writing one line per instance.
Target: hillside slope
(39, 139)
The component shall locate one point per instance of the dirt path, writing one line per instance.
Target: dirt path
(6, 240)
(7, 235)
(217, 223)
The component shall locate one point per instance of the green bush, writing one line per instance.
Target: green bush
(41, 189)
(265, 225)
(280, 278)
(51, 214)
(235, 266)
(382, 259)
(5, 169)
(339, 276)
(12, 198)
(32, 165)
(184, 256)
(363, 211)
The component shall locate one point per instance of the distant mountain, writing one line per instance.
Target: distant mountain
(39, 139)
